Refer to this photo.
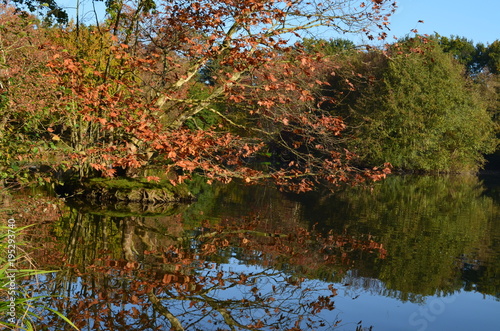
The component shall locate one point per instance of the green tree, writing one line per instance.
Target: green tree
(463, 50)
(476, 58)
(328, 47)
(50, 10)
(421, 113)
(492, 56)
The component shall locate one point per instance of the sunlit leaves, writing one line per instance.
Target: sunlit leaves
(120, 95)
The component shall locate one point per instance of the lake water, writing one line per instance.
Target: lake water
(410, 253)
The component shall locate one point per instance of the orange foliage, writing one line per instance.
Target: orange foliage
(119, 96)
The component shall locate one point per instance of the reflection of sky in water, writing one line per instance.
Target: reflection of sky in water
(354, 303)
(461, 311)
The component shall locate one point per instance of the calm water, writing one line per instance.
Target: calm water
(411, 253)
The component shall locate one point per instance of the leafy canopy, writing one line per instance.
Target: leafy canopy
(416, 110)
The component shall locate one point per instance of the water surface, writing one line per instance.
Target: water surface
(410, 253)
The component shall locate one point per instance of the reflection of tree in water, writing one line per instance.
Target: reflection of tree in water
(140, 273)
(160, 271)
(432, 227)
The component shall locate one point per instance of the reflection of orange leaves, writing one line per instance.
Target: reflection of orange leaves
(81, 305)
(243, 279)
(135, 313)
(209, 249)
(258, 325)
(134, 299)
(333, 289)
(132, 265)
(167, 279)
(382, 253)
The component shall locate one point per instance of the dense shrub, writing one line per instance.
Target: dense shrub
(415, 108)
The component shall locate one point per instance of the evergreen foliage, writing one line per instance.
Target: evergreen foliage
(420, 114)
(328, 47)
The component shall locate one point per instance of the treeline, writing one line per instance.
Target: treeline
(216, 88)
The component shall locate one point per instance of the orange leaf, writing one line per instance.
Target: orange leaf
(153, 178)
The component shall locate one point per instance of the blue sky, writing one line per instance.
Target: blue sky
(478, 20)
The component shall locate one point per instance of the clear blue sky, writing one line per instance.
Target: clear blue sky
(478, 20)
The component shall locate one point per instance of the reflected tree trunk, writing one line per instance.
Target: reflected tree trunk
(128, 240)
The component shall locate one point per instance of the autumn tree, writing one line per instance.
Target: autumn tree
(26, 96)
(132, 89)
